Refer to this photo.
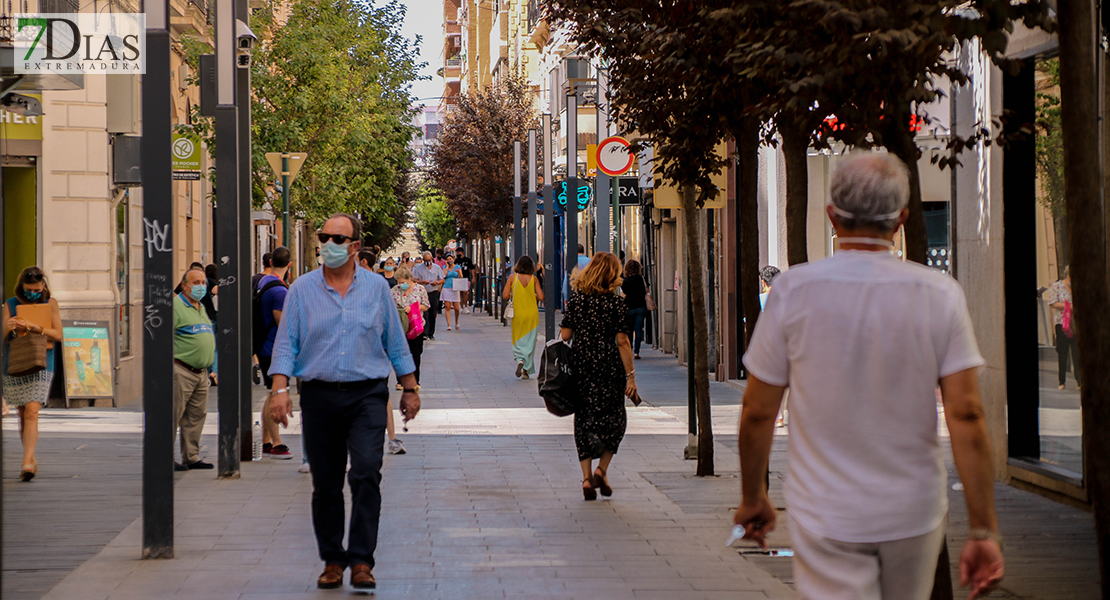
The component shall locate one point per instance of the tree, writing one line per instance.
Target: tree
(346, 103)
(1050, 159)
(384, 231)
(434, 223)
(472, 161)
(663, 83)
(1087, 234)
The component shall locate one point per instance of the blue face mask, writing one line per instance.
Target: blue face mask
(197, 292)
(334, 255)
(33, 296)
(403, 286)
(389, 268)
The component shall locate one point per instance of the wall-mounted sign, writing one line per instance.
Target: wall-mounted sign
(628, 191)
(87, 354)
(186, 151)
(585, 193)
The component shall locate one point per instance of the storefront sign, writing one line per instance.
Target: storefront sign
(186, 151)
(628, 189)
(87, 354)
(585, 193)
(20, 127)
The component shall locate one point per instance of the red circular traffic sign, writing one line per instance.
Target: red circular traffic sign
(613, 157)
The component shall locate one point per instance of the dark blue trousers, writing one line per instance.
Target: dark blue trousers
(338, 422)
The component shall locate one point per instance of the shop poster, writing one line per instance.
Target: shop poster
(87, 352)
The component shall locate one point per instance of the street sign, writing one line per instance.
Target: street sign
(591, 160)
(186, 151)
(585, 194)
(296, 161)
(628, 191)
(613, 156)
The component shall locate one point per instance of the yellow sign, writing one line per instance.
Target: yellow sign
(591, 160)
(296, 161)
(19, 127)
(668, 196)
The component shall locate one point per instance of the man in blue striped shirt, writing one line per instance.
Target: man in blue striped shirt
(340, 334)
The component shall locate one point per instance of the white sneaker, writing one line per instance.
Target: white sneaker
(303, 468)
(395, 447)
(519, 367)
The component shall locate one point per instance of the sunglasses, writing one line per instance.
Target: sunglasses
(337, 238)
(35, 277)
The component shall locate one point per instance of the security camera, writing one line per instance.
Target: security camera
(245, 38)
(19, 104)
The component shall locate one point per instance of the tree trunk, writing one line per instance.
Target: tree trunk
(1086, 237)
(747, 216)
(795, 143)
(699, 362)
(1060, 227)
(900, 143)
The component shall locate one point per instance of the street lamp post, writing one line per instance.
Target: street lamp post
(572, 185)
(242, 379)
(548, 229)
(530, 232)
(516, 202)
(159, 429)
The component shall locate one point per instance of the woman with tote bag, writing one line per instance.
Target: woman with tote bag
(29, 359)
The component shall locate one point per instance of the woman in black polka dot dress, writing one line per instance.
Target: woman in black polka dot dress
(601, 356)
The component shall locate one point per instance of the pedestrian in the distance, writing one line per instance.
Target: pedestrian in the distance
(194, 352)
(28, 393)
(341, 337)
(525, 292)
(601, 356)
(1059, 299)
(863, 339)
(450, 297)
(767, 277)
(389, 271)
(429, 275)
(406, 293)
(467, 266)
(635, 291)
(272, 304)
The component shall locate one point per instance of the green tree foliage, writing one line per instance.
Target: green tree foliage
(334, 82)
(434, 222)
(472, 161)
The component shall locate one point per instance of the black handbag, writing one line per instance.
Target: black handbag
(557, 383)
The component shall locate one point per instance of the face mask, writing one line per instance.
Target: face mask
(334, 255)
(427, 263)
(33, 296)
(389, 268)
(198, 292)
(403, 286)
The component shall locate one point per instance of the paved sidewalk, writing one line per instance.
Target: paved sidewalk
(486, 504)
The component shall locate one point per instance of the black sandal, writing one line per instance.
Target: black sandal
(588, 489)
(601, 483)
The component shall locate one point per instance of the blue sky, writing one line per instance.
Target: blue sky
(425, 18)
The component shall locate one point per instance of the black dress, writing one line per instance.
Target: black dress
(600, 420)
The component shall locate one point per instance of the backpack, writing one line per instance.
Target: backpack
(259, 331)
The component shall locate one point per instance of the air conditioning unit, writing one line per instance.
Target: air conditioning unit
(127, 160)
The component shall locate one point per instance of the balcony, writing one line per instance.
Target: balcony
(536, 8)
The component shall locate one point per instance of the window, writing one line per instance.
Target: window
(123, 275)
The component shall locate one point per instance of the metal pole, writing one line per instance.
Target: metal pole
(602, 241)
(284, 199)
(516, 249)
(242, 381)
(159, 429)
(227, 238)
(572, 185)
(530, 232)
(548, 230)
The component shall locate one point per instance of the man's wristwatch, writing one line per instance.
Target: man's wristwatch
(982, 533)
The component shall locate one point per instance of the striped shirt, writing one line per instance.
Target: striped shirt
(327, 337)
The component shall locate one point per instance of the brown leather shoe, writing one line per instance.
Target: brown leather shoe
(331, 578)
(361, 577)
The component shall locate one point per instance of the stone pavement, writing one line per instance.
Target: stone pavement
(486, 504)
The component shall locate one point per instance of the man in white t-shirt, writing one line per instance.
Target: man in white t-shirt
(862, 340)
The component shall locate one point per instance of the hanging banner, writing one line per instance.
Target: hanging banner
(87, 355)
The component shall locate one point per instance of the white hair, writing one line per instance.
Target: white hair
(870, 189)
